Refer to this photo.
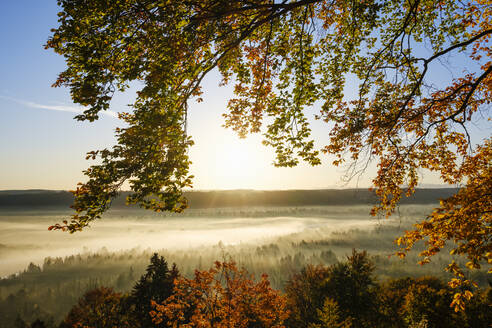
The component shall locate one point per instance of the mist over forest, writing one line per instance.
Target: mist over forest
(229, 217)
(274, 232)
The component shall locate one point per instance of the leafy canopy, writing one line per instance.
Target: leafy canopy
(224, 296)
(100, 307)
(283, 57)
(341, 295)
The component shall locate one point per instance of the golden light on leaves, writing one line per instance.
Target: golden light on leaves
(283, 58)
(223, 296)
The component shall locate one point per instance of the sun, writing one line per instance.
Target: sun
(236, 156)
(239, 163)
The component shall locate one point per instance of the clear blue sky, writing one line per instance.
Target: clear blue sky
(43, 147)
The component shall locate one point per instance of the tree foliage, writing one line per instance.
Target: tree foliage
(342, 293)
(329, 316)
(223, 296)
(346, 294)
(305, 295)
(284, 57)
(101, 308)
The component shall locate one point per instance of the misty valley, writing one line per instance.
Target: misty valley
(44, 273)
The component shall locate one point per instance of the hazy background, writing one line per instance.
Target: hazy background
(43, 273)
(230, 218)
(25, 238)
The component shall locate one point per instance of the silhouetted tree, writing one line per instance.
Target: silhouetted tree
(391, 298)
(101, 308)
(349, 285)
(156, 284)
(306, 294)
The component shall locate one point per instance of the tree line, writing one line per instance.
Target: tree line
(61, 200)
(344, 294)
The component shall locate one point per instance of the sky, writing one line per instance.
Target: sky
(43, 147)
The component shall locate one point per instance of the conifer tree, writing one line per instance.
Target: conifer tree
(156, 284)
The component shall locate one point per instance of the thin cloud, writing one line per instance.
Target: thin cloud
(60, 108)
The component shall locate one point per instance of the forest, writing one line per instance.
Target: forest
(347, 293)
(320, 244)
(52, 199)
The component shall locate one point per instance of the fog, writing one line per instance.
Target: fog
(24, 237)
(276, 241)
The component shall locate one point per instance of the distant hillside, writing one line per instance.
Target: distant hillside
(42, 199)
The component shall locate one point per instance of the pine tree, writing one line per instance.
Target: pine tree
(156, 284)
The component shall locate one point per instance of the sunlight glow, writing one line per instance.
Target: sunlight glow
(237, 163)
